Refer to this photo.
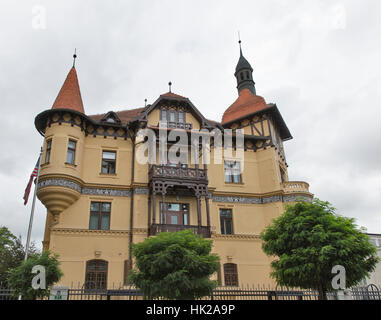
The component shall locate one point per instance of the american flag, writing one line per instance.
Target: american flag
(32, 176)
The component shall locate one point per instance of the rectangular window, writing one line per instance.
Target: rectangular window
(226, 221)
(163, 115)
(70, 157)
(181, 117)
(172, 116)
(233, 172)
(48, 150)
(96, 275)
(108, 162)
(100, 215)
(231, 274)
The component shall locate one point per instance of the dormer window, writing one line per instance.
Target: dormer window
(111, 117)
(174, 119)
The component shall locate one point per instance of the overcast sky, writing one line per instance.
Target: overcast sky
(317, 60)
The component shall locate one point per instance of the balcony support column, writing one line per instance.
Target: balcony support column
(149, 211)
(162, 207)
(198, 211)
(154, 207)
(207, 211)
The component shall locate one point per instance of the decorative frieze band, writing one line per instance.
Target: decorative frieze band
(141, 190)
(61, 183)
(258, 200)
(293, 198)
(230, 199)
(84, 190)
(106, 192)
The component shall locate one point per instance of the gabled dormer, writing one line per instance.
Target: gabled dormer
(111, 117)
(175, 112)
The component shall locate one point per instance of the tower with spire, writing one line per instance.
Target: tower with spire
(244, 73)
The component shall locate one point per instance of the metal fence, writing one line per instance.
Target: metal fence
(262, 293)
(370, 292)
(5, 294)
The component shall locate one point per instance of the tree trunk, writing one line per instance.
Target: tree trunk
(322, 292)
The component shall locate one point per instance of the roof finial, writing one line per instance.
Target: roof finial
(145, 102)
(239, 41)
(74, 57)
(170, 84)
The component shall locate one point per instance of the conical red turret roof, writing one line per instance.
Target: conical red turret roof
(69, 96)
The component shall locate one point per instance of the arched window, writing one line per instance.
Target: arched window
(247, 75)
(241, 75)
(230, 274)
(96, 274)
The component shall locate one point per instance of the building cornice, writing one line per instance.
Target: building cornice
(235, 236)
(88, 232)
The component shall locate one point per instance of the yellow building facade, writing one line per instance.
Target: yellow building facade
(100, 198)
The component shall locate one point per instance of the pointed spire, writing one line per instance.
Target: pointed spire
(74, 57)
(69, 96)
(242, 62)
(244, 72)
(239, 41)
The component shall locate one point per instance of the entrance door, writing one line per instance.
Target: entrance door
(174, 213)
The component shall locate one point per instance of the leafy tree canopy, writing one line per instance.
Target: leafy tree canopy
(12, 253)
(309, 239)
(175, 265)
(20, 278)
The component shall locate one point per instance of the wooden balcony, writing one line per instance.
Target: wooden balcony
(295, 187)
(157, 228)
(184, 174)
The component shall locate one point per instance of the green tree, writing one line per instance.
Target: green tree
(174, 265)
(12, 253)
(309, 239)
(20, 278)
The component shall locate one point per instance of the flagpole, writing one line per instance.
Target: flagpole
(32, 210)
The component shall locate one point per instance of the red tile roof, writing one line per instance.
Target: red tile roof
(69, 96)
(247, 103)
(172, 95)
(124, 116)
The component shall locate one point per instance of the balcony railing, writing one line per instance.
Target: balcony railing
(176, 125)
(165, 171)
(157, 228)
(295, 187)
